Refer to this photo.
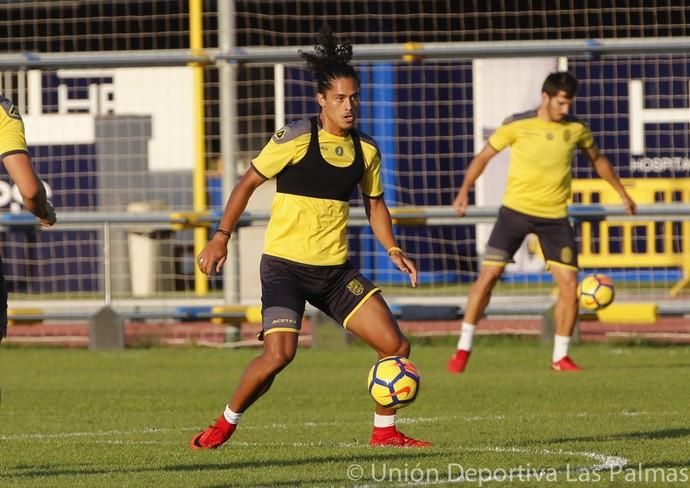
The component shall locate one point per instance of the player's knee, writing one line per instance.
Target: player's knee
(279, 359)
(487, 279)
(401, 348)
(568, 290)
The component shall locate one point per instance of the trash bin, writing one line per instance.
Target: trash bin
(151, 261)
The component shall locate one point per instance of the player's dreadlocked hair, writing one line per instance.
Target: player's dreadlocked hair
(330, 60)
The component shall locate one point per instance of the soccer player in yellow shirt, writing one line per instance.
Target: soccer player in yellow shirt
(14, 155)
(317, 163)
(542, 143)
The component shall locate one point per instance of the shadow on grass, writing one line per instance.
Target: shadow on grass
(43, 472)
(658, 434)
(642, 366)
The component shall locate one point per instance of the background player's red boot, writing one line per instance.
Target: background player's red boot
(565, 364)
(458, 362)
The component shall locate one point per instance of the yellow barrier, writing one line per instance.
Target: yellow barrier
(192, 220)
(629, 313)
(397, 220)
(19, 312)
(636, 244)
(251, 314)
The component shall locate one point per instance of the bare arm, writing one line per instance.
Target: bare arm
(605, 171)
(30, 186)
(474, 171)
(382, 225)
(213, 256)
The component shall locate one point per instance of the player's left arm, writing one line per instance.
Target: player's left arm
(381, 223)
(605, 171)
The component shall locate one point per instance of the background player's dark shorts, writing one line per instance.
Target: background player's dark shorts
(556, 237)
(335, 290)
(3, 303)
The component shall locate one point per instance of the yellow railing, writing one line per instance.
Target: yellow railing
(626, 244)
(196, 44)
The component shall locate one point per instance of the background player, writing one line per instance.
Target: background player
(317, 163)
(535, 201)
(15, 157)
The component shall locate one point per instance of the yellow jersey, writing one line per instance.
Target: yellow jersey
(12, 137)
(316, 174)
(541, 157)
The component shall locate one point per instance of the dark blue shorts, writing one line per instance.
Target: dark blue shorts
(286, 286)
(556, 238)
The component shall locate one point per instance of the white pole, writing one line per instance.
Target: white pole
(228, 141)
(279, 90)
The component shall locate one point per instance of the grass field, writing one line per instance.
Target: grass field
(78, 418)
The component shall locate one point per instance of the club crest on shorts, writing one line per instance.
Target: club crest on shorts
(355, 287)
(566, 255)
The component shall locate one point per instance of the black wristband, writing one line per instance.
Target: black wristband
(224, 232)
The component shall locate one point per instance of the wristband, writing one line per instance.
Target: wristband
(395, 248)
(224, 232)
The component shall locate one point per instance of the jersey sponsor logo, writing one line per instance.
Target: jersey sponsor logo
(566, 254)
(549, 135)
(323, 148)
(355, 287)
(283, 322)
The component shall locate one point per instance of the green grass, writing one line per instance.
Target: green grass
(79, 418)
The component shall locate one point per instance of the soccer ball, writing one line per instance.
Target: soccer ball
(595, 292)
(393, 382)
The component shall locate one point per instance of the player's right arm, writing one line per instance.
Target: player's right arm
(474, 171)
(285, 145)
(213, 256)
(33, 192)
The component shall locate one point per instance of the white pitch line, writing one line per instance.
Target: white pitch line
(275, 425)
(64, 435)
(602, 461)
(605, 461)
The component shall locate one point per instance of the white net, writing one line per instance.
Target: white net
(430, 117)
(106, 137)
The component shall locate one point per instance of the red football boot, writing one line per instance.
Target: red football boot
(389, 436)
(214, 436)
(565, 364)
(458, 362)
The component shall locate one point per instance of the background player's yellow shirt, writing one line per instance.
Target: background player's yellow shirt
(305, 229)
(541, 156)
(11, 129)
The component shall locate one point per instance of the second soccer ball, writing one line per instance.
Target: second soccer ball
(595, 292)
